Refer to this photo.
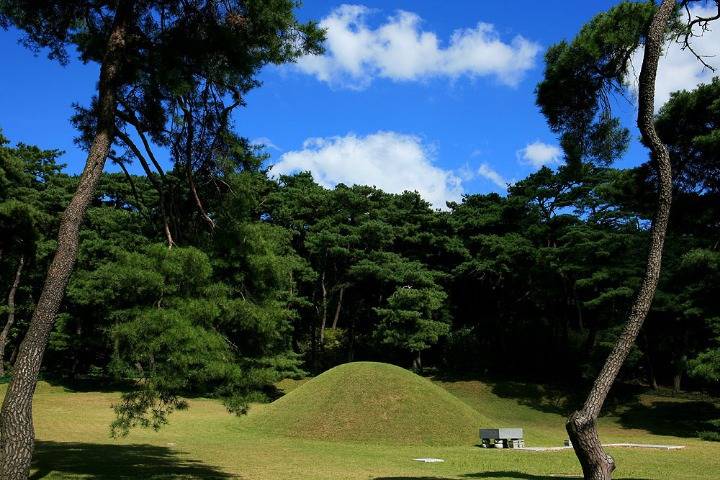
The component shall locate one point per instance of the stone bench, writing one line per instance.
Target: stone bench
(502, 437)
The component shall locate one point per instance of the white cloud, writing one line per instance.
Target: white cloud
(539, 154)
(391, 161)
(466, 173)
(264, 142)
(679, 69)
(400, 50)
(489, 173)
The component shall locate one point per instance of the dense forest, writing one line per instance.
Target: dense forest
(272, 277)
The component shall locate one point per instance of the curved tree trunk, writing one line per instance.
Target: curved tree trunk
(581, 425)
(11, 314)
(16, 425)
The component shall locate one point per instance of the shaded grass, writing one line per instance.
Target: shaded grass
(632, 411)
(496, 475)
(90, 460)
(681, 418)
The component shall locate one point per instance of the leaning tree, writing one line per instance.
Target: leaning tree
(574, 95)
(153, 55)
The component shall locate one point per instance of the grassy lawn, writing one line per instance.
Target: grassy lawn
(206, 442)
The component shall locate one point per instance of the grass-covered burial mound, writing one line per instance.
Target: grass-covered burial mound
(372, 403)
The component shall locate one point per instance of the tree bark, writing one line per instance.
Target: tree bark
(11, 314)
(324, 309)
(680, 366)
(337, 309)
(680, 363)
(651, 369)
(590, 341)
(582, 425)
(417, 362)
(351, 340)
(578, 308)
(16, 425)
(77, 351)
(13, 355)
(677, 382)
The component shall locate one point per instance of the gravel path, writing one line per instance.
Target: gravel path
(623, 445)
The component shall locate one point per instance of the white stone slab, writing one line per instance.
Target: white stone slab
(501, 433)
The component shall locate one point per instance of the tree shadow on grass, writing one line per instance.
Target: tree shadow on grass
(675, 418)
(544, 398)
(87, 384)
(514, 475)
(412, 478)
(529, 476)
(562, 400)
(538, 397)
(103, 461)
(507, 474)
(559, 399)
(497, 474)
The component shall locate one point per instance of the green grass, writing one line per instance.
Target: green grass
(207, 442)
(371, 402)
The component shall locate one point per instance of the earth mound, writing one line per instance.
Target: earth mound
(371, 403)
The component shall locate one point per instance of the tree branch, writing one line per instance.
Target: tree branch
(159, 185)
(698, 21)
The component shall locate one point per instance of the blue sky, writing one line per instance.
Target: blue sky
(421, 95)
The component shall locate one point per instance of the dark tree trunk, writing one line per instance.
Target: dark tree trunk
(315, 357)
(11, 314)
(680, 366)
(337, 309)
(13, 355)
(351, 340)
(78, 351)
(680, 363)
(16, 425)
(590, 341)
(417, 362)
(578, 308)
(677, 382)
(581, 425)
(653, 380)
(651, 369)
(323, 322)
